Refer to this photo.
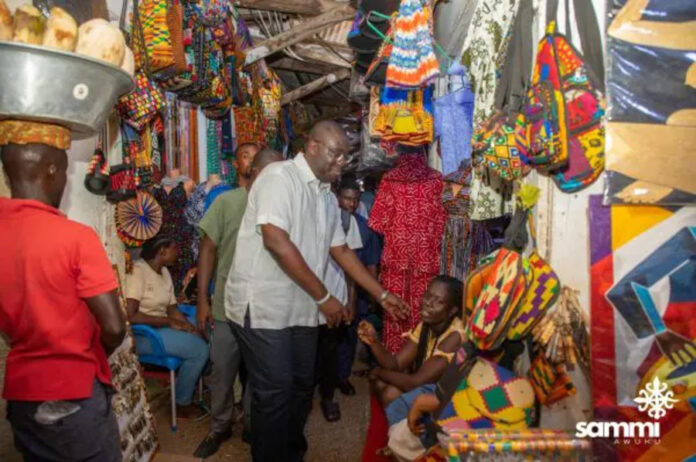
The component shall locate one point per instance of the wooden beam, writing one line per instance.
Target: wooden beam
(318, 54)
(309, 67)
(299, 33)
(310, 7)
(315, 85)
(326, 102)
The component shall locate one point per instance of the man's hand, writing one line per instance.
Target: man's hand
(422, 405)
(679, 350)
(204, 316)
(334, 312)
(185, 326)
(396, 307)
(367, 333)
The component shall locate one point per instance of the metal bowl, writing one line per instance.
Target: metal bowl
(59, 87)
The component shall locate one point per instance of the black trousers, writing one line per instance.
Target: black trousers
(280, 364)
(88, 435)
(328, 360)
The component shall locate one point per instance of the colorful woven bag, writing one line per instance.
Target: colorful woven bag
(141, 105)
(564, 112)
(489, 396)
(501, 144)
(504, 286)
(551, 383)
(543, 292)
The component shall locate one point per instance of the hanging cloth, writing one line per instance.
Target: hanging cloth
(412, 62)
(453, 117)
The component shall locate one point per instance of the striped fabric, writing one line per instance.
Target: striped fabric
(153, 20)
(412, 62)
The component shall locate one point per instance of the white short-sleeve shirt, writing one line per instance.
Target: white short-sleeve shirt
(287, 195)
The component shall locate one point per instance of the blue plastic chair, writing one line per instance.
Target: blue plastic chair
(161, 358)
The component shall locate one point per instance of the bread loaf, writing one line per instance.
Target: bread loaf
(61, 30)
(6, 22)
(99, 39)
(29, 25)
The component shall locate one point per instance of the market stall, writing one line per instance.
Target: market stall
(539, 151)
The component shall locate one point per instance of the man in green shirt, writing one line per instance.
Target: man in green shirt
(218, 229)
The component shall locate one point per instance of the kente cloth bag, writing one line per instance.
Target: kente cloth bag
(543, 292)
(565, 109)
(141, 105)
(503, 287)
(97, 178)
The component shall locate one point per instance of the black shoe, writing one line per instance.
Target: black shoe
(346, 388)
(211, 444)
(331, 411)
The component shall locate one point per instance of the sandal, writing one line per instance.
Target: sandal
(331, 411)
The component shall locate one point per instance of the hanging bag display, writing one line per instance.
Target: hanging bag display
(542, 294)
(502, 290)
(565, 107)
(500, 143)
(141, 105)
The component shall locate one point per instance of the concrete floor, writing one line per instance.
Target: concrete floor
(328, 442)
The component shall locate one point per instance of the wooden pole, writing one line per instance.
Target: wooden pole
(309, 7)
(299, 33)
(314, 85)
(309, 67)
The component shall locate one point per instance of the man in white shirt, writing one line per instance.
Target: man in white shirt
(274, 291)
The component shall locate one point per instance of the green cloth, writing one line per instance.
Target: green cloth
(221, 224)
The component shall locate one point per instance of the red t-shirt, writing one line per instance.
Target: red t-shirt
(49, 265)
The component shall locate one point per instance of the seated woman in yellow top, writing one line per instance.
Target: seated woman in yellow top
(150, 300)
(431, 346)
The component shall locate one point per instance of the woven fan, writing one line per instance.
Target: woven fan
(139, 218)
(563, 334)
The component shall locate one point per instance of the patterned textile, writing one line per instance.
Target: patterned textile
(247, 121)
(408, 212)
(551, 383)
(500, 144)
(498, 301)
(489, 397)
(212, 154)
(25, 132)
(643, 306)
(465, 241)
(412, 62)
(175, 226)
(512, 445)
(405, 116)
(543, 291)
(485, 49)
(153, 22)
(453, 119)
(194, 211)
(565, 115)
